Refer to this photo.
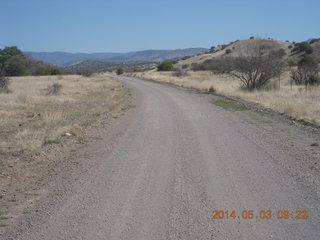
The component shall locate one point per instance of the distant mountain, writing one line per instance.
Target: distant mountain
(101, 66)
(157, 55)
(65, 58)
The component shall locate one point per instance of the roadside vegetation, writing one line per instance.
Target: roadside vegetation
(43, 109)
(264, 71)
(41, 119)
(13, 62)
(120, 71)
(228, 105)
(166, 66)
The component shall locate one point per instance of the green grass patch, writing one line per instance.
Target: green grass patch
(127, 107)
(82, 140)
(228, 105)
(3, 218)
(87, 123)
(51, 141)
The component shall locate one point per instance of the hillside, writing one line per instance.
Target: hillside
(288, 91)
(158, 55)
(65, 58)
(241, 48)
(236, 48)
(316, 51)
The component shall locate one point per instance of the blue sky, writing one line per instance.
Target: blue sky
(123, 25)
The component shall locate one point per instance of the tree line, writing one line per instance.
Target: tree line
(13, 62)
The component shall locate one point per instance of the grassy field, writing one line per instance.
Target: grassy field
(228, 105)
(38, 129)
(293, 100)
(30, 118)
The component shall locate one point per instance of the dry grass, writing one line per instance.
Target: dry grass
(295, 101)
(31, 119)
(239, 47)
(43, 122)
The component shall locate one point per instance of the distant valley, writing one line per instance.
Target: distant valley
(65, 58)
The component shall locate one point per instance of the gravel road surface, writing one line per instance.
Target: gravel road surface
(178, 159)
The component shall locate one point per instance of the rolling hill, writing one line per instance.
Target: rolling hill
(242, 47)
(65, 58)
(235, 48)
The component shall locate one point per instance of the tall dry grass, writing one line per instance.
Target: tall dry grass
(31, 119)
(36, 115)
(296, 101)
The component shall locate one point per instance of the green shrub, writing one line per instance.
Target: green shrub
(120, 71)
(314, 79)
(228, 51)
(308, 62)
(55, 71)
(14, 63)
(4, 83)
(303, 47)
(40, 71)
(211, 89)
(15, 66)
(280, 53)
(307, 72)
(165, 66)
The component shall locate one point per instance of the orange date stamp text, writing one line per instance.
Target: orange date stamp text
(260, 214)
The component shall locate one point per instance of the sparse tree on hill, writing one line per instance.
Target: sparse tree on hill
(120, 71)
(165, 66)
(303, 47)
(257, 66)
(306, 73)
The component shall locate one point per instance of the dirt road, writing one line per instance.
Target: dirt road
(180, 158)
